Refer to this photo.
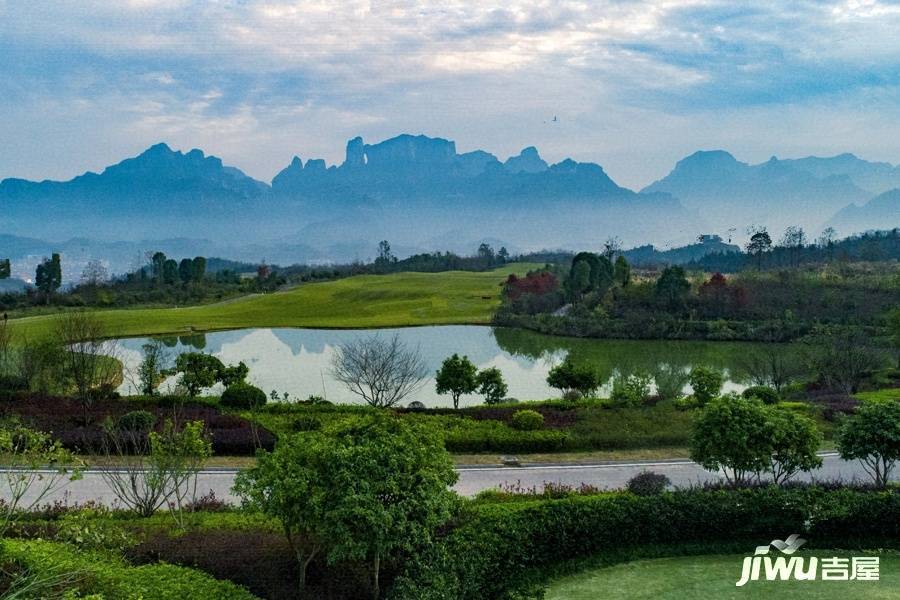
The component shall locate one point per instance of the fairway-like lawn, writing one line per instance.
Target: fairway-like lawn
(395, 300)
(707, 577)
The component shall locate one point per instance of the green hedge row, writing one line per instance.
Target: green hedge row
(499, 549)
(106, 576)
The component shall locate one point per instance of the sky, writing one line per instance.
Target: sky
(635, 85)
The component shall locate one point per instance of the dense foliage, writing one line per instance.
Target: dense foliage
(500, 549)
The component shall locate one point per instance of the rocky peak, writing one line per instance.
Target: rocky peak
(528, 161)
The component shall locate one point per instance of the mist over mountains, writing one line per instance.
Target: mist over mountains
(422, 195)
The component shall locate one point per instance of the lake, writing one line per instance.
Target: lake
(297, 361)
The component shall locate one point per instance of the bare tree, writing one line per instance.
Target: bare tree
(88, 360)
(611, 247)
(774, 366)
(794, 239)
(382, 372)
(94, 273)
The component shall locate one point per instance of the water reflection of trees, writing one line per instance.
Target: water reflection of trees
(629, 356)
(194, 340)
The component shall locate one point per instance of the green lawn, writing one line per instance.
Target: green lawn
(395, 300)
(705, 577)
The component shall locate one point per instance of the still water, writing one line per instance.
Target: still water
(297, 361)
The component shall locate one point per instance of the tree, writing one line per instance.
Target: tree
(733, 434)
(672, 287)
(826, 241)
(48, 276)
(152, 368)
(87, 360)
(569, 376)
(706, 384)
(186, 270)
(5, 268)
(35, 466)
(486, 254)
(503, 255)
(622, 271)
(146, 469)
(491, 385)
(385, 258)
(842, 361)
(370, 490)
(611, 247)
(457, 376)
(600, 276)
(894, 328)
(170, 272)
(199, 265)
(794, 239)
(198, 371)
(760, 243)
(872, 436)
(381, 372)
(94, 273)
(795, 440)
(580, 279)
(157, 260)
(774, 366)
(233, 374)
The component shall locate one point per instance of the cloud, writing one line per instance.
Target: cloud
(257, 81)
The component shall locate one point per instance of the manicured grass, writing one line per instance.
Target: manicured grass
(395, 300)
(703, 577)
(885, 394)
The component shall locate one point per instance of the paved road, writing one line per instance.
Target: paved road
(475, 479)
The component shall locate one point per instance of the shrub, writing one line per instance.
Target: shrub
(670, 381)
(572, 396)
(306, 423)
(108, 576)
(570, 375)
(90, 529)
(13, 383)
(762, 392)
(243, 396)
(872, 436)
(136, 420)
(527, 420)
(706, 384)
(504, 547)
(648, 483)
(687, 403)
(631, 390)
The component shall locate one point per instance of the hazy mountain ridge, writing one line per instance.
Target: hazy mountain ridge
(776, 193)
(882, 211)
(413, 189)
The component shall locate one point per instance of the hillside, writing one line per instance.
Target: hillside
(396, 300)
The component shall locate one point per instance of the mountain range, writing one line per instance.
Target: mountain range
(421, 194)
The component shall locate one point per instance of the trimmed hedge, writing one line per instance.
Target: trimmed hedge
(243, 396)
(500, 549)
(110, 577)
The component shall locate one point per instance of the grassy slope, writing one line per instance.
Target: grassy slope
(702, 577)
(395, 300)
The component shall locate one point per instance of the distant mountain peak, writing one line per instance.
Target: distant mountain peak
(528, 161)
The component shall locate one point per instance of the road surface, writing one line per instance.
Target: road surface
(474, 479)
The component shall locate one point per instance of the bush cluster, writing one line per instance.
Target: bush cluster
(527, 420)
(763, 392)
(243, 396)
(108, 576)
(501, 548)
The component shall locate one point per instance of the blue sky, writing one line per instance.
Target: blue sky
(635, 84)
